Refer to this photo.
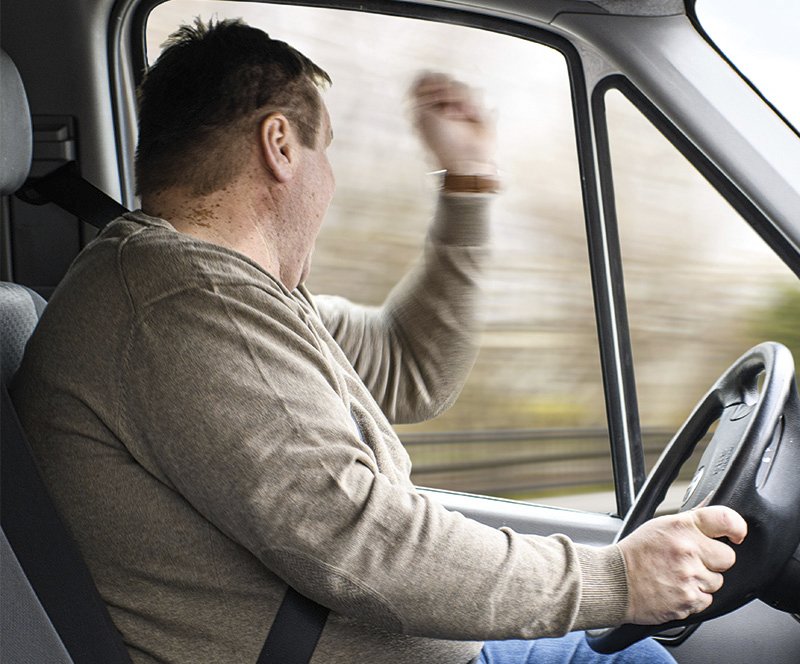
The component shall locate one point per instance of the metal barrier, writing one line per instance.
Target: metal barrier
(527, 463)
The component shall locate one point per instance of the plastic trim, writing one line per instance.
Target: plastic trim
(776, 240)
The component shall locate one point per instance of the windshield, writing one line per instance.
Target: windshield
(761, 39)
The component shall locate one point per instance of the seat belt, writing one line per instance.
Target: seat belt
(295, 632)
(48, 555)
(299, 622)
(66, 188)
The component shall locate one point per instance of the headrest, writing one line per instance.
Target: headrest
(16, 140)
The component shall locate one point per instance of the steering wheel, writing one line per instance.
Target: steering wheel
(752, 465)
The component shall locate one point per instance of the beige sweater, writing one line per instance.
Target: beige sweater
(209, 437)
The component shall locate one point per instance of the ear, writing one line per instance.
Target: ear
(277, 144)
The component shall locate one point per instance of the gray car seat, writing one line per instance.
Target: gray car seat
(50, 610)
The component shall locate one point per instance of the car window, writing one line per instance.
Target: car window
(530, 423)
(760, 38)
(701, 286)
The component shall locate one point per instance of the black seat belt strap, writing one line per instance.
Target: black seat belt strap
(66, 188)
(48, 555)
(295, 632)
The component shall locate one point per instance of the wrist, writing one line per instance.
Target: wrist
(470, 183)
(471, 167)
(604, 599)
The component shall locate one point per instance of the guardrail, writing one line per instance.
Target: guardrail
(526, 463)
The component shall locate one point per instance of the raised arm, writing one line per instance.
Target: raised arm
(415, 352)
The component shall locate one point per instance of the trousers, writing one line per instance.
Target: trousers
(569, 649)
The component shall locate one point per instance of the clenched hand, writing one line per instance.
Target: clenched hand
(454, 124)
(675, 564)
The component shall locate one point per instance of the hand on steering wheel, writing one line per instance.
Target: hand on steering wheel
(751, 466)
(674, 565)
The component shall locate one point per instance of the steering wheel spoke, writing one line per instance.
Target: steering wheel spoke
(749, 465)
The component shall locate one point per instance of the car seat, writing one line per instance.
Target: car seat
(50, 610)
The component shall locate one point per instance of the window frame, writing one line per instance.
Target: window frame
(128, 61)
(691, 12)
(726, 188)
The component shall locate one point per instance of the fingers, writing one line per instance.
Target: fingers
(701, 603)
(432, 83)
(714, 522)
(712, 582)
(717, 556)
(440, 93)
(453, 124)
(720, 521)
(675, 566)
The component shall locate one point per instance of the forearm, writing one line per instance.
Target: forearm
(285, 453)
(408, 565)
(416, 351)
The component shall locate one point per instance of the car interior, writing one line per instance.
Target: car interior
(68, 76)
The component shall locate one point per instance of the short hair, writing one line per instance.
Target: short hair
(200, 103)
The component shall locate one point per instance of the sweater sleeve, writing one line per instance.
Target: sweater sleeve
(415, 352)
(231, 401)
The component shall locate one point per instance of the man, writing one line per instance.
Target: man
(211, 432)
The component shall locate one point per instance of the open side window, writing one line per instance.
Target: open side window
(531, 423)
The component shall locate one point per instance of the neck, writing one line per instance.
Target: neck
(230, 218)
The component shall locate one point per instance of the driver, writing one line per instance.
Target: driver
(211, 431)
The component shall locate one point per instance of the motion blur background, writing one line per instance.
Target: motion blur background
(701, 286)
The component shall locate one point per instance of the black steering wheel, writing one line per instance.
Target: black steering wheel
(752, 465)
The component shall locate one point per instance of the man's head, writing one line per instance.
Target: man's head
(202, 102)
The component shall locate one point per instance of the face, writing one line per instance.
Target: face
(318, 185)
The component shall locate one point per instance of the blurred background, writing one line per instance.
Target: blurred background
(530, 424)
